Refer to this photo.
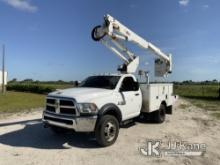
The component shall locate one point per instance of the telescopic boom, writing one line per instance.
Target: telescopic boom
(111, 33)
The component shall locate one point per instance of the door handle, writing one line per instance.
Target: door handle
(136, 94)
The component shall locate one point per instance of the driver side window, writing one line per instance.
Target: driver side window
(129, 84)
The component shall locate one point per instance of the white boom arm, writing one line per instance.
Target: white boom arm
(112, 32)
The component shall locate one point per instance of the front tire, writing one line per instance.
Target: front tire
(106, 131)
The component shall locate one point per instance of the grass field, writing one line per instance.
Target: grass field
(197, 91)
(26, 96)
(19, 101)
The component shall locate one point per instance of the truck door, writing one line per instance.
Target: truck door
(131, 98)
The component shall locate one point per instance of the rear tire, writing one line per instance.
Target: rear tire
(106, 131)
(160, 115)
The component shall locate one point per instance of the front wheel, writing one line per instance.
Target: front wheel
(106, 131)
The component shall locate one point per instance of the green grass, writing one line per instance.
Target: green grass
(197, 91)
(19, 101)
(27, 96)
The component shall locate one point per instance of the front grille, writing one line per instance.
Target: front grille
(66, 103)
(50, 108)
(51, 101)
(67, 111)
(58, 120)
(63, 106)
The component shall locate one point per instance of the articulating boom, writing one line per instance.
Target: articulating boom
(112, 33)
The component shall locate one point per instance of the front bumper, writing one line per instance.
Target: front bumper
(77, 123)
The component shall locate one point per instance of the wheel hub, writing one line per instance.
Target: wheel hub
(110, 130)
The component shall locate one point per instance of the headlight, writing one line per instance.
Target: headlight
(87, 108)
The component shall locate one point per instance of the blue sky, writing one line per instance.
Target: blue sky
(50, 39)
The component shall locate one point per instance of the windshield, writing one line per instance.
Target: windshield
(107, 82)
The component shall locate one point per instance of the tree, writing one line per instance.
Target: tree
(13, 80)
(28, 80)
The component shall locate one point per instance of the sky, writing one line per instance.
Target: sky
(51, 39)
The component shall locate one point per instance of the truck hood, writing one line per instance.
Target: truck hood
(82, 94)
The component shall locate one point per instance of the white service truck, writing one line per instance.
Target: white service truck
(101, 103)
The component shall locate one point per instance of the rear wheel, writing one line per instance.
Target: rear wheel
(160, 115)
(106, 131)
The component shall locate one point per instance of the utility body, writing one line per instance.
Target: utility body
(102, 103)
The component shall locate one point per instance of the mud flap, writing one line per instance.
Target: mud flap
(169, 110)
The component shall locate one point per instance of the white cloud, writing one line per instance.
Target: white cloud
(23, 5)
(183, 2)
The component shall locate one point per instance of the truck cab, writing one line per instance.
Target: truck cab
(82, 107)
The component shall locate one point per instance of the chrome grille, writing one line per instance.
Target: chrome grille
(50, 108)
(63, 106)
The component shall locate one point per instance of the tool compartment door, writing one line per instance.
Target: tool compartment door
(154, 94)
